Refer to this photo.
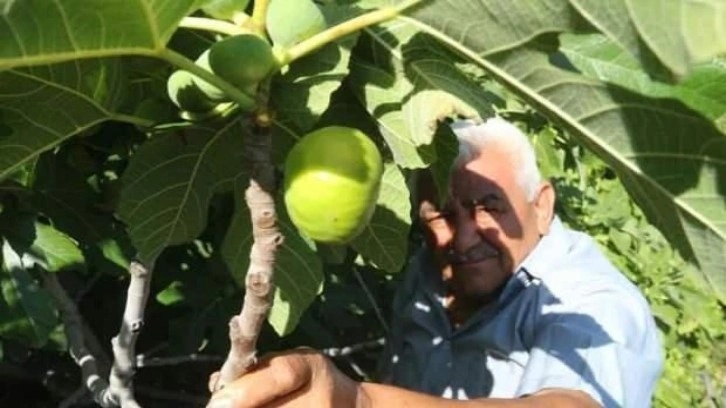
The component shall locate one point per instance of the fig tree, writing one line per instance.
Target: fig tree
(243, 60)
(331, 183)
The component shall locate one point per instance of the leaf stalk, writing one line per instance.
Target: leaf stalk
(343, 29)
(245, 102)
(213, 25)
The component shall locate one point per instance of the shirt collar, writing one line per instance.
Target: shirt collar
(551, 248)
(539, 262)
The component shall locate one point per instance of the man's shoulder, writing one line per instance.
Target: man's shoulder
(576, 265)
(584, 285)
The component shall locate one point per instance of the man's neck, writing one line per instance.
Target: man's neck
(459, 309)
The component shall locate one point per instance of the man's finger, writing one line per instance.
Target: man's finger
(273, 378)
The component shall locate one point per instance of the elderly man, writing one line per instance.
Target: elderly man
(503, 307)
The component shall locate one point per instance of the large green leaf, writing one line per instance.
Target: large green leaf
(62, 193)
(671, 158)
(409, 83)
(27, 312)
(681, 33)
(43, 106)
(672, 35)
(611, 19)
(170, 181)
(384, 241)
(490, 26)
(595, 56)
(298, 270)
(41, 32)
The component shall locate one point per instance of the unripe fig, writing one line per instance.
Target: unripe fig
(242, 60)
(332, 180)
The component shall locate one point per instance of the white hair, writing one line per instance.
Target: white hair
(473, 138)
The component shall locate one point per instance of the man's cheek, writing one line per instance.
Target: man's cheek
(439, 236)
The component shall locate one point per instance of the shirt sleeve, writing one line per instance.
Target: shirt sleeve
(616, 364)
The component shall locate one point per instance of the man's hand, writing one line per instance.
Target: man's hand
(303, 378)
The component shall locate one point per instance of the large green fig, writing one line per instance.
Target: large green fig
(332, 180)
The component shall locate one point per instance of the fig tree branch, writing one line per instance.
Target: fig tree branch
(343, 29)
(259, 15)
(124, 344)
(371, 299)
(353, 348)
(245, 102)
(73, 324)
(213, 25)
(244, 329)
(142, 361)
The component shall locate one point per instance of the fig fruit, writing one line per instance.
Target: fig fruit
(332, 179)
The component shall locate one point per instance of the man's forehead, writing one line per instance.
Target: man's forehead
(466, 185)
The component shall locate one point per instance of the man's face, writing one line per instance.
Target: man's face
(487, 227)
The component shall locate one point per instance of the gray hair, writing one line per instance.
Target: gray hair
(473, 138)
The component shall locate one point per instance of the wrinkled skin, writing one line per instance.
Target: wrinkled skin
(296, 380)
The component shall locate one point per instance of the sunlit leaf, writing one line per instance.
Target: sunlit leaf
(27, 312)
(39, 32)
(384, 241)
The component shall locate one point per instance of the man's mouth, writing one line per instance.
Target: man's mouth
(475, 254)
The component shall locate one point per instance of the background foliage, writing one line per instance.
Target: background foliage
(96, 167)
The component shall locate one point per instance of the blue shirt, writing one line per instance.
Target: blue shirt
(567, 319)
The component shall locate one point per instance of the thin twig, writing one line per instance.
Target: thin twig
(74, 326)
(213, 25)
(124, 344)
(356, 367)
(244, 329)
(354, 348)
(142, 361)
(345, 28)
(371, 299)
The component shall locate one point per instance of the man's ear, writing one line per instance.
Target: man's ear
(544, 206)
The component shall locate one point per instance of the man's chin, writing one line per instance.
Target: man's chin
(486, 267)
(479, 279)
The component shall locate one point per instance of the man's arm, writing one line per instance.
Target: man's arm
(378, 395)
(305, 378)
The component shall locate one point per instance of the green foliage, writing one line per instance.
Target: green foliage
(98, 166)
(309, 20)
(691, 321)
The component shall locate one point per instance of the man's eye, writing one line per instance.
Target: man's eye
(490, 208)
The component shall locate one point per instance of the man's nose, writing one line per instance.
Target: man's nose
(466, 232)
